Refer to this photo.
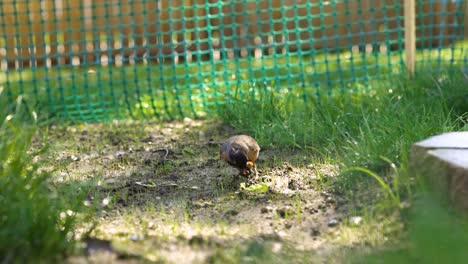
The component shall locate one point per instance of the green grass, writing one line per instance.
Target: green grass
(356, 129)
(37, 221)
(370, 134)
(435, 235)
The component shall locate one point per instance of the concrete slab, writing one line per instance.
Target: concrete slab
(443, 161)
(456, 157)
(452, 140)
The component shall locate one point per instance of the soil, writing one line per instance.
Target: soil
(162, 194)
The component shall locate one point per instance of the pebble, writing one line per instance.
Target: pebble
(276, 247)
(355, 220)
(332, 222)
(135, 237)
(120, 153)
(330, 200)
(281, 234)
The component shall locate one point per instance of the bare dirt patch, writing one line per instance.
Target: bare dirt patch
(162, 194)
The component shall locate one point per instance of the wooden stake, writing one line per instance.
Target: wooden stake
(410, 34)
(466, 20)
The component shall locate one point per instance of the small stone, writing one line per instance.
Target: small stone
(355, 220)
(332, 222)
(287, 225)
(106, 201)
(74, 158)
(330, 200)
(135, 237)
(120, 153)
(276, 247)
(281, 234)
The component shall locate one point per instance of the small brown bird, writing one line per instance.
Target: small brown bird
(241, 152)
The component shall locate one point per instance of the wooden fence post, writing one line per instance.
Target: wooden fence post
(410, 34)
(466, 20)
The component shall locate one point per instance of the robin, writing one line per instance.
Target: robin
(241, 152)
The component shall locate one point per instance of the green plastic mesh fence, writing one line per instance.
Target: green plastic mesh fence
(442, 33)
(93, 60)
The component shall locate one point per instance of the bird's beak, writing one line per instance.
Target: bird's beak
(249, 164)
